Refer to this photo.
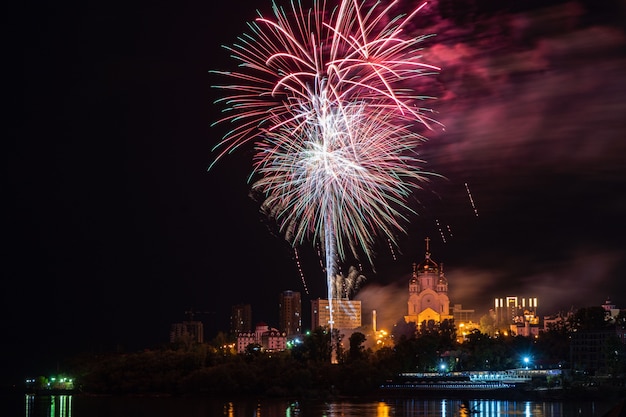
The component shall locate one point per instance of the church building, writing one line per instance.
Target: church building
(428, 292)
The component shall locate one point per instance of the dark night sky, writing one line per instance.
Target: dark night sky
(114, 227)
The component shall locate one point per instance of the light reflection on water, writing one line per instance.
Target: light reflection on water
(48, 405)
(70, 406)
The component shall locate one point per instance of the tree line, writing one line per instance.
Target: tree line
(329, 363)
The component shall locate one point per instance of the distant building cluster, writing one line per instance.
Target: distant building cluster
(518, 314)
(428, 304)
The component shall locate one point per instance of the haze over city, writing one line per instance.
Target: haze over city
(115, 227)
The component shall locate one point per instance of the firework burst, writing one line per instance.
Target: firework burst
(340, 176)
(324, 94)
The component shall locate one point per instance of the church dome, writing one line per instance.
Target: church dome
(427, 265)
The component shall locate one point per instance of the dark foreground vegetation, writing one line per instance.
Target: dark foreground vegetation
(307, 368)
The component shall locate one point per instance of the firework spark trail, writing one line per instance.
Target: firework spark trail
(393, 252)
(443, 237)
(322, 92)
(329, 244)
(471, 199)
(297, 259)
(320, 257)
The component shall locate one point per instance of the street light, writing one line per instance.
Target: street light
(526, 360)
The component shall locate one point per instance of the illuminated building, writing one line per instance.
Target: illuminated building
(519, 315)
(611, 312)
(462, 315)
(241, 319)
(346, 314)
(428, 292)
(464, 322)
(290, 313)
(269, 339)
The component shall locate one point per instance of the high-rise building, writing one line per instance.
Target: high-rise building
(241, 319)
(290, 313)
(588, 346)
(187, 331)
(588, 350)
(346, 313)
(428, 292)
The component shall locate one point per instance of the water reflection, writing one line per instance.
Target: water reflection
(382, 410)
(67, 405)
(415, 407)
(48, 405)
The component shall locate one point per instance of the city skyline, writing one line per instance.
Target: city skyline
(115, 228)
(391, 305)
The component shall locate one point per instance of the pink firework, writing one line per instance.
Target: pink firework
(345, 53)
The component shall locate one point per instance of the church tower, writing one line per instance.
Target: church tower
(428, 292)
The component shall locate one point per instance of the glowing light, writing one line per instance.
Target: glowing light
(382, 410)
(382, 337)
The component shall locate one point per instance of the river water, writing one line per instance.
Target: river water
(89, 406)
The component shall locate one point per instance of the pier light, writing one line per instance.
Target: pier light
(526, 361)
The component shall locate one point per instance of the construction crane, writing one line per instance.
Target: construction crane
(191, 313)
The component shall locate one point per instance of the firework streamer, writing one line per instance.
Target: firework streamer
(471, 199)
(297, 259)
(391, 249)
(324, 94)
(353, 281)
(345, 286)
(320, 258)
(443, 237)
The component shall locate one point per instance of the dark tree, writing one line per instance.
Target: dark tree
(357, 350)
